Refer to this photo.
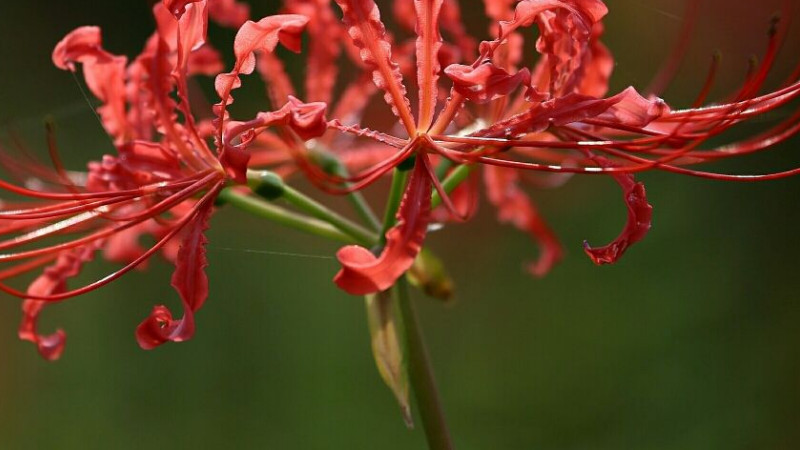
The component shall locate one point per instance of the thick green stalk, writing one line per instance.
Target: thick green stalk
(421, 374)
(318, 210)
(282, 216)
(271, 187)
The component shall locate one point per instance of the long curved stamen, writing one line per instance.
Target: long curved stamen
(108, 279)
(163, 206)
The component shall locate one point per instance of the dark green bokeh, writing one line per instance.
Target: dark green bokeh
(690, 342)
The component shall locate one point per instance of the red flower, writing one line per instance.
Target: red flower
(164, 178)
(551, 118)
(474, 105)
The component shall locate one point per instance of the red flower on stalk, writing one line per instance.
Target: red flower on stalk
(165, 177)
(551, 118)
(474, 106)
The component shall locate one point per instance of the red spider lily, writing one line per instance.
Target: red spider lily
(552, 117)
(475, 105)
(164, 178)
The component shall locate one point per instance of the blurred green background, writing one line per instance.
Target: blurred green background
(689, 342)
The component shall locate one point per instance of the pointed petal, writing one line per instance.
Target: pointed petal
(191, 283)
(363, 20)
(429, 42)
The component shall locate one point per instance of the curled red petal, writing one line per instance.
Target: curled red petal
(262, 36)
(486, 82)
(191, 283)
(50, 346)
(52, 281)
(640, 216)
(160, 327)
(631, 109)
(307, 119)
(104, 74)
(625, 108)
(80, 45)
(565, 33)
(265, 35)
(362, 272)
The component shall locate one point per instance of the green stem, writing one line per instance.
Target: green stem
(399, 180)
(421, 374)
(456, 177)
(443, 168)
(359, 203)
(282, 216)
(318, 210)
(332, 165)
(363, 209)
(270, 186)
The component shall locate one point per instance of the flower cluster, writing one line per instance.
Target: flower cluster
(477, 113)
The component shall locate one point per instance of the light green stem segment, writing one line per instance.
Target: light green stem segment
(456, 177)
(399, 180)
(270, 186)
(332, 165)
(421, 374)
(318, 210)
(284, 217)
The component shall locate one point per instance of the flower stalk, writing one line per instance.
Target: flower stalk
(170, 169)
(421, 375)
(399, 181)
(270, 186)
(281, 216)
(334, 166)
